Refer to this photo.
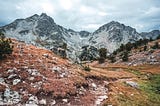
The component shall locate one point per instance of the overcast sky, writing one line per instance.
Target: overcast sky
(144, 15)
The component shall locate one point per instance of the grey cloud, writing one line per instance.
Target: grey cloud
(86, 14)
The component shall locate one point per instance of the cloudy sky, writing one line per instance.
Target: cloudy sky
(144, 15)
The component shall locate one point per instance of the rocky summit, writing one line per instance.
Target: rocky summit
(42, 31)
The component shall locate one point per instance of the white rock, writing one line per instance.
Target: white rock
(16, 81)
(12, 75)
(10, 71)
(31, 78)
(42, 102)
(62, 75)
(64, 100)
(2, 80)
(56, 69)
(11, 97)
(53, 102)
(45, 55)
(33, 72)
(100, 99)
(94, 85)
(31, 105)
(33, 100)
(132, 84)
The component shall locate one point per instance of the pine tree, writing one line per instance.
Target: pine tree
(112, 58)
(102, 54)
(145, 48)
(125, 56)
(156, 45)
(5, 46)
(158, 37)
(63, 52)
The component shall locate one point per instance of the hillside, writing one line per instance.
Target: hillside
(36, 76)
(133, 82)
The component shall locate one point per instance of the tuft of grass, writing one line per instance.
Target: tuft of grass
(87, 68)
(134, 71)
(152, 89)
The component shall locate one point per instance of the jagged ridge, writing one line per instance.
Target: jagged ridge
(41, 30)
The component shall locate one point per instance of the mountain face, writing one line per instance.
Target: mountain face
(153, 34)
(112, 35)
(42, 31)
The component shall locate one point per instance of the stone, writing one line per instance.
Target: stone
(53, 103)
(11, 97)
(33, 72)
(42, 102)
(132, 84)
(101, 99)
(10, 71)
(62, 75)
(56, 69)
(94, 86)
(33, 100)
(31, 78)
(2, 80)
(31, 105)
(16, 81)
(46, 55)
(12, 75)
(64, 100)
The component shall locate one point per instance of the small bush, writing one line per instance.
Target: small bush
(145, 48)
(102, 54)
(5, 46)
(101, 60)
(112, 58)
(156, 46)
(158, 37)
(125, 56)
(87, 68)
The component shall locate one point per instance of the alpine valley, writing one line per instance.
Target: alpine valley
(42, 31)
(45, 64)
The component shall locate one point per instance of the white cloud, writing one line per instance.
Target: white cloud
(101, 13)
(88, 14)
(91, 26)
(47, 8)
(66, 4)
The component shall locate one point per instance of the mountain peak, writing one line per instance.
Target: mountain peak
(43, 14)
(114, 22)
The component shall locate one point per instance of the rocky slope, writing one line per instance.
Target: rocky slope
(153, 34)
(33, 76)
(112, 35)
(42, 31)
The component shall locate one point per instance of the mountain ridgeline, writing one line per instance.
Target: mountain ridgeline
(42, 31)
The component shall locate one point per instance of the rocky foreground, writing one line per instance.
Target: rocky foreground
(35, 76)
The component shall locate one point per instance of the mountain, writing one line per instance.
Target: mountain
(112, 35)
(34, 76)
(42, 31)
(153, 34)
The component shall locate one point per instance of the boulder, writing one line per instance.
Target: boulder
(132, 84)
